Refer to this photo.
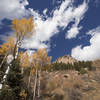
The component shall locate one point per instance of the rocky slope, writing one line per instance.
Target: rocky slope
(70, 84)
(66, 59)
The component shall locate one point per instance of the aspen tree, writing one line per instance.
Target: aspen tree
(40, 59)
(6, 48)
(23, 28)
(24, 61)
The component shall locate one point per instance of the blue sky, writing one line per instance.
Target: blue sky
(63, 26)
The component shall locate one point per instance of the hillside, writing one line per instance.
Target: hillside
(65, 79)
(70, 84)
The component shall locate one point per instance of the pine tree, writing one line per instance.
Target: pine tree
(15, 79)
(13, 83)
(7, 94)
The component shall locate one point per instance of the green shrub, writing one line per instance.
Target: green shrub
(78, 66)
(7, 94)
(27, 71)
(15, 79)
(82, 71)
(61, 66)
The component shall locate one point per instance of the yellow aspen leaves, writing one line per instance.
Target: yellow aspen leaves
(25, 60)
(38, 60)
(7, 47)
(43, 57)
(32, 72)
(23, 27)
(23, 94)
(40, 57)
(20, 54)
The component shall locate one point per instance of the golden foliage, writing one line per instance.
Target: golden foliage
(40, 57)
(20, 54)
(23, 27)
(24, 60)
(7, 47)
(23, 94)
(32, 72)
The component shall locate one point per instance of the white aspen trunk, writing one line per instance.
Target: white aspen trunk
(0, 86)
(3, 60)
(7, 71)
(17, 49)
(34, 91)
(16, 55)
(4, 78)
(10, 58)
(9, 61)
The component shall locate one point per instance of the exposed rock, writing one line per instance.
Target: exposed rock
(66, 59)
(66, 75)
(96, 64)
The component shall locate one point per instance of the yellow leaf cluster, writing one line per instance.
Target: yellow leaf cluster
(24, 60)
(32, 72)
(23, 27)
(20, 55)
(41, 58)
(7, 47)
(23, 94)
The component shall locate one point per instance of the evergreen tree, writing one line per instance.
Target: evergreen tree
(7, 94)
(14, 83)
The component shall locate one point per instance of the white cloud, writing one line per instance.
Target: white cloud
(91, 52)
(78, 14)
(94, 31)
(10, 9)
(72, 33)
(46, 28)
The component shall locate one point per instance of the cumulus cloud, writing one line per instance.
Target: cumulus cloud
(91, 52)
(49, 26)
(78, 13)
(72, 33)
(10, 9)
